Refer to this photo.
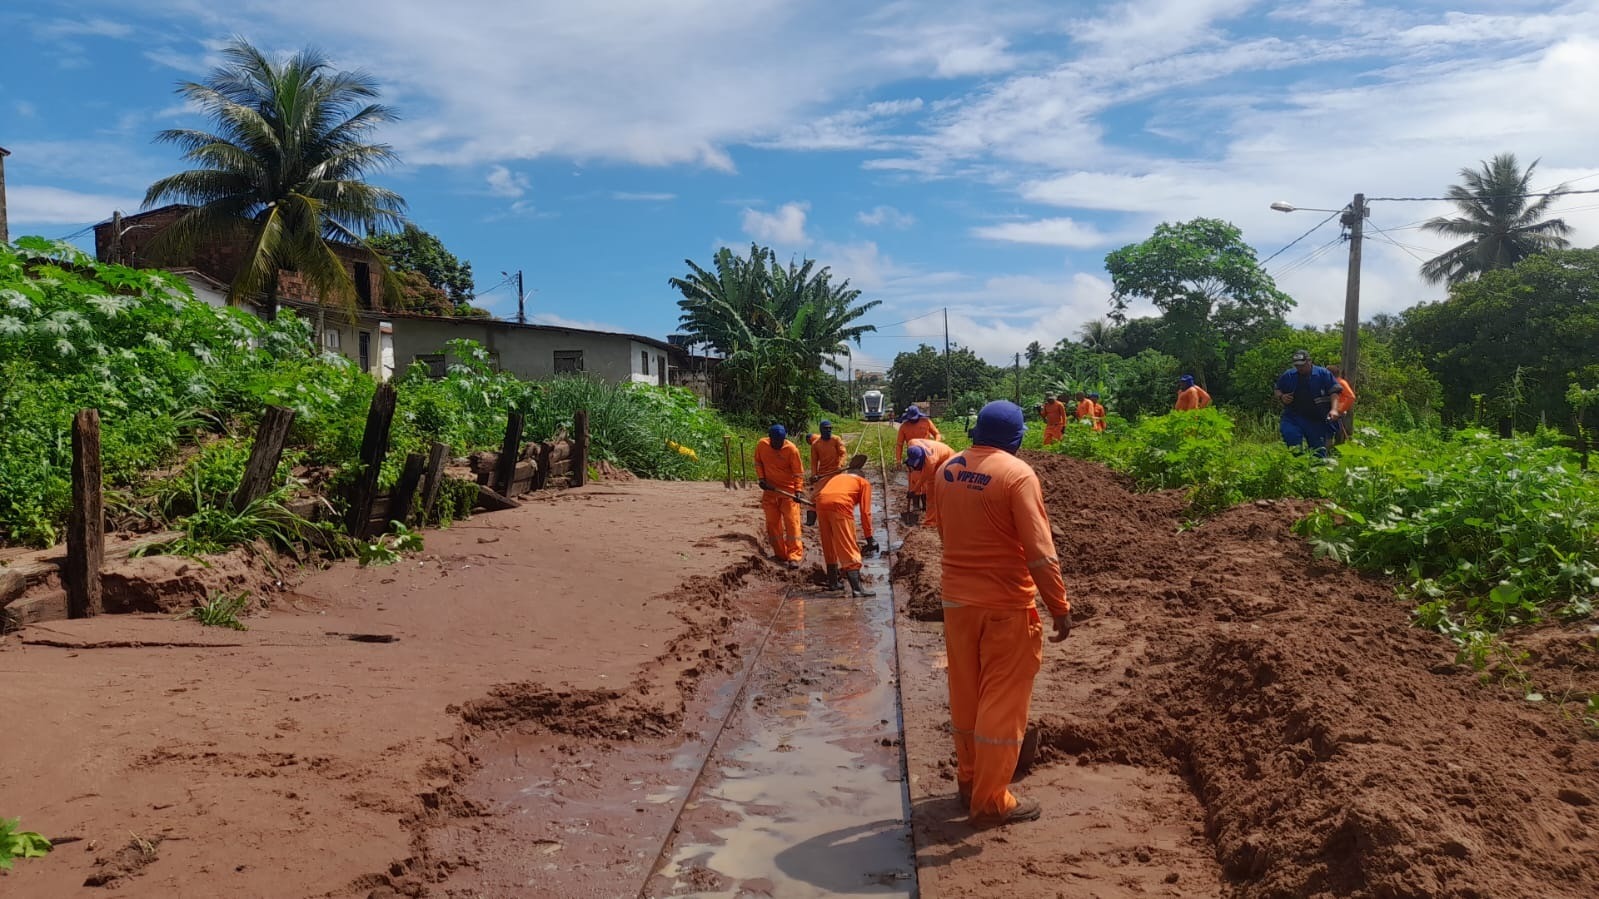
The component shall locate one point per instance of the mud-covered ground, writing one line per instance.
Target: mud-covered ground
(1232, 717)
(292, 760)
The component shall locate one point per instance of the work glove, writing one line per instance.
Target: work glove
(1063, 627)
(763, 485)
(871, 544)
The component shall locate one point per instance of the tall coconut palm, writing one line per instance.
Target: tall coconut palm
(284, 172)
(1500, 223)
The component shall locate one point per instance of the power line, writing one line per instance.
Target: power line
(1299, 238)
(1308, 258)
(1385, 236)
(909, 320)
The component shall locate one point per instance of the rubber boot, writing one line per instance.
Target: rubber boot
(833, 584)
(854, 578)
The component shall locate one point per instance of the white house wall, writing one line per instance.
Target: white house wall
(525, 352)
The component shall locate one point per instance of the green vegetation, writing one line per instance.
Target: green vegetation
(284, 172)
(221, 611)
(1482, 533)
(15, 844)
(179, 385)
(386, 549)
(1501, 223)
(432, 279)
(776, 327)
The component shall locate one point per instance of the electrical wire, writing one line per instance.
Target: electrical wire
(1308, 258)
(1299, 238)
(914, 318)
(1384, 235)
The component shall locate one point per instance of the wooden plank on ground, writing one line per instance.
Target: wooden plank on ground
(494, 501)
(86, 521)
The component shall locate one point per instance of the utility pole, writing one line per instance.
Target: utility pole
(5, 233)
(949, 390)
(1354, 218)
(115, 250)
(521, 300)
(849, 379)
(1018, 379)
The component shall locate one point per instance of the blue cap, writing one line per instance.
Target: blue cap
(1092, 395)
(913, 413)
(778, 433)
(915, 458)
(826, 425)
(1000, 424)
(1187, 380)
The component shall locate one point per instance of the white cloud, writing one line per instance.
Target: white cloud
(32, 204)
(83, 28)
(785, 227)
(630, 196)
(25, 109)
(505, 183)
(885, 215)
(561, 321)
(1051, 232)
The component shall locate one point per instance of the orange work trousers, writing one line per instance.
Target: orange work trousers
(783, 526)
(837, 532)
(1053, 434)
(993, 657)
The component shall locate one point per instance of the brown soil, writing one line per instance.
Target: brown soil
(302, 758)
(1232, 716)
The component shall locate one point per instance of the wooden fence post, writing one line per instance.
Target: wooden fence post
(580, 447)
(374, 448)
(405, 489)
(541, 478)
(434, 480)
(262, 469)
(86, 521)
(510, 454)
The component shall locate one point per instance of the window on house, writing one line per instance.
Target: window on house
(435, 363)
(568, 361)
(363, 284)
(364, 341)
(644, 360)
(330, 339)
(660, 370)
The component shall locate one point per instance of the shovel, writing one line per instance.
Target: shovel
(1029, 754)
(856, 462)
(793, 496)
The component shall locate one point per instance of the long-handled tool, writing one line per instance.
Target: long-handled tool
(743, 471)
(793, 496)
(727, 457)
(856, 462)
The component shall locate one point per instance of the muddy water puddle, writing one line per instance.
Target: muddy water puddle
(805, 793)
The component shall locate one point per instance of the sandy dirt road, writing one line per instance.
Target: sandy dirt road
(1232, 717)
(289, 760)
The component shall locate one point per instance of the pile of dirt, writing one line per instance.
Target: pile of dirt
(916, 573)
(1335, 749)
(164, 584)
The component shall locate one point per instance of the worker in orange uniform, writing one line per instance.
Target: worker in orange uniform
(999, 558)
(1098, 413)
(778, 465)
(1054, 412)
(827, 452)
(914, 425)
(836, 502)
(1343, 402)
(1191, 395)
(923, 457)
(1085, 407)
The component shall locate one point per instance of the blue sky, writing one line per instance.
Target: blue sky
(980, 157)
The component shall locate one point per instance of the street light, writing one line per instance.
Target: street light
(1354, 218)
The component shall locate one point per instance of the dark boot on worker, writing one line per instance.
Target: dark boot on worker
(1025, 810)
(833, 583)
(854, 578)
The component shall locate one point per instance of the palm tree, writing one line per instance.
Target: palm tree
(776, 326)
(284, 172)
(1500, 226)
(1097, 334)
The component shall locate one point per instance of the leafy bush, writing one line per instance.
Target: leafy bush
(221, 611)
(15, 844)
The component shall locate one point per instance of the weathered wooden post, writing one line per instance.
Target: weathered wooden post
(510, 454)
(434, 480)
(86, 521)
(261, 471)
(374, 448)
(405, 488)
(727, 456)
(541, 478)
(580, 447)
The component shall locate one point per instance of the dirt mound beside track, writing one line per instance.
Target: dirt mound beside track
(1335, 750)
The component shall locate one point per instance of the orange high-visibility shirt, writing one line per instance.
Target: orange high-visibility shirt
(937, 454)
(998, 551)
(1193, 397)
(782, 468)
(1085, 409)
(1099, 417)
(842, 493)
(910, 430)
(1055, 414)
(1344, 401)
(827, 456)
